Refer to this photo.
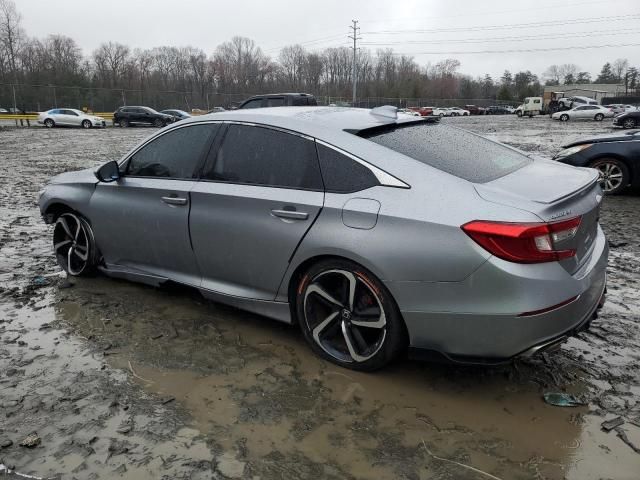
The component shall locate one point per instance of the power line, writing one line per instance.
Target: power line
(622, 31)
(551, 23)
(520, 50)
(538, 9)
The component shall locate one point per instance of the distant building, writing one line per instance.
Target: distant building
(597, 91)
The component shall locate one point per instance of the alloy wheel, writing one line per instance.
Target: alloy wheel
(72, 243)
(611, 176)
(345, 315)
(86, 124)
(49, 123)
(564, 118)
(629, 123)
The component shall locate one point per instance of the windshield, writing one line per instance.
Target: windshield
(452, 150)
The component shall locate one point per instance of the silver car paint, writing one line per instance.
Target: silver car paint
(454, 296)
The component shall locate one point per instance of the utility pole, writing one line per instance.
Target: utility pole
(354, 72)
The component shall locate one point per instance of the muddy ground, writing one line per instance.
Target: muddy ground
(119, 380)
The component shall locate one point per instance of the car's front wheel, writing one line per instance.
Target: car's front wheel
(158, 122)
(49, 123)
(598, 117)
(348, 316)
(564, 118)
(74, 244)
(629, 123)
(614, 175)
(86, 124)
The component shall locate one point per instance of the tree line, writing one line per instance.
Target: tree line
(114, 73)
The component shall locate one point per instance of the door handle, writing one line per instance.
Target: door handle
(290, 214)
(174, 200)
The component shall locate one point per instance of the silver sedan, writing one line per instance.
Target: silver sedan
(69, 117)
(372, 231)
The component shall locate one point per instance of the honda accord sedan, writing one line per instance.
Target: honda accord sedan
(372, 231)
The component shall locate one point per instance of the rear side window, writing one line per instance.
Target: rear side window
(451, 150)
(275, 102)
(175, 154)
(341, 174)
(300, 101)
(266, 157)
(255, 103)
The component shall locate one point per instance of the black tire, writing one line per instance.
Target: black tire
(86, 124)
(441, 115)
(599, 117)
(330, 326)
(614, 175)
(564, 117)
(519, 113)
(629, 123)
(74, 245)
(49, 123)
(123, 122)
(158, 122)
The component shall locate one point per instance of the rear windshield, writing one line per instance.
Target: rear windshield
(451, 150)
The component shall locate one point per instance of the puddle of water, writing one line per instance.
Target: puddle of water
(255, 386)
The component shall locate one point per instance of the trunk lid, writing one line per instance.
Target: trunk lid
(553, 192)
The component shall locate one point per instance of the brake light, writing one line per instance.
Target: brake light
(524, 242)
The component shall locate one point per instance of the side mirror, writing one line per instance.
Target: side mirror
(109, 172)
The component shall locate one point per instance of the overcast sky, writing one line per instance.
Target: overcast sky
(471, 26)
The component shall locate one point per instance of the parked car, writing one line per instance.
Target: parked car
(130, 116)
(4, 110)
(279, 100)
(459, 112)
(409, 111)
(178, 114)
(69, 117)
(584, 112)
(629, 119)
(509, 108)
(217, 109)
(571, 102)
(441, 112)
(497, 110)
(422, 111)
(475, 110)
(616, 157)
(621, 108)
(289, 213)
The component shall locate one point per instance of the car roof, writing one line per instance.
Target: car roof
(312, 121)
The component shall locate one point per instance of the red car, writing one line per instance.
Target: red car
(423, 111)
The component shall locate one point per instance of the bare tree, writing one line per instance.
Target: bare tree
(619, 68)
(11, 34)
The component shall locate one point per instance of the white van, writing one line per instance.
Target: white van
(531, 106)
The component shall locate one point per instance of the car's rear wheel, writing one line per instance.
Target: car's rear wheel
(49, 123)
(86, 124)
(629, 123)
(348, 316)
(123, 122)
(158, 122)
(74, 244)
(614, 175)
(598, 117)
(564, 118)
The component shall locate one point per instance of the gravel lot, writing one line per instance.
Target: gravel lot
(119, 380)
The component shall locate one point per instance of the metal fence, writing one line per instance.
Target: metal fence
(37, 98)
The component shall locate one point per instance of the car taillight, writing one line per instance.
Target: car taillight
(524, 242)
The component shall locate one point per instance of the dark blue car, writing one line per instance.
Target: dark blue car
(615, 156)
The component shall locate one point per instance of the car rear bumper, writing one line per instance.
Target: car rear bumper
(487, 321)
